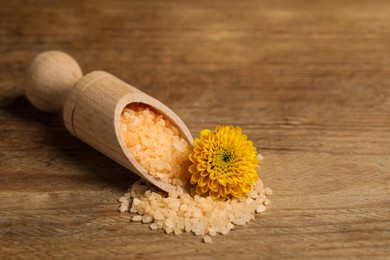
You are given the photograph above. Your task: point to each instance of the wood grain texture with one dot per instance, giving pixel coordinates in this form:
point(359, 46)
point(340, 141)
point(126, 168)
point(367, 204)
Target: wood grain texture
point(308, 81)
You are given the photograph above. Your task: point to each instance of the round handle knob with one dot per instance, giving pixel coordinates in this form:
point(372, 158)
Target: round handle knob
point(49, 79)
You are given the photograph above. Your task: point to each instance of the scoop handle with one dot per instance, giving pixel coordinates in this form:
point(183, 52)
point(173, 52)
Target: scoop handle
point(49, 79)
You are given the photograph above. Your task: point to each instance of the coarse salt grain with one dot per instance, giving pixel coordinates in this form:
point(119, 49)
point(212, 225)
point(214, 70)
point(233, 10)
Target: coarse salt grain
point(123, 208)
point(268, 191)
point(260, 157)
point(260, 209)
point(136, 218)
point(153, 226)
point(146, 219)
point(208, 239)
point(158, 215)
point(124, 204)
point(136, 201)
point(123, 199)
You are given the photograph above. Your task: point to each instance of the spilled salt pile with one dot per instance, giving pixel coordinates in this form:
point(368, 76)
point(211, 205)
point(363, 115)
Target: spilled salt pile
point(155, 143)
point(178, 212)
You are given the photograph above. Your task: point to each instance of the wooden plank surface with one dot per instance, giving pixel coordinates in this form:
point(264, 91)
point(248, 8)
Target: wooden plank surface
point(308, 81)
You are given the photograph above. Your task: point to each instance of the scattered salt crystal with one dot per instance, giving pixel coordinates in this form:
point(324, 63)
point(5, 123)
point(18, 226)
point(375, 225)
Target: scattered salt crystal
point(268, 191)
point(225, 231)
point(198, 232)
point(177, 231)
point(136, 201)
point(123, 208)
point(124, 204)
point(146, 219)
point(230, 226)
point(153, 226)
point(136, 218)
point(198, 229)
point(208, 239)
point(168, 230)
point(133, 209)
point(239, 222)
point(212, 231)
point(259, 200)
point(169, 223)
point(260, 157)
point(187, 227)
point(159, 223)
point(123, 199)
point(260, 209)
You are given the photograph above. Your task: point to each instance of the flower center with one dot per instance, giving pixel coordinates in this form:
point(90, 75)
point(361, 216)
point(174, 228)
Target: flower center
point(224, 158)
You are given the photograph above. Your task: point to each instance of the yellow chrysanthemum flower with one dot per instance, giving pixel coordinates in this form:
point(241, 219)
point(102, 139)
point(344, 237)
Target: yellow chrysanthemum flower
point(223, 163)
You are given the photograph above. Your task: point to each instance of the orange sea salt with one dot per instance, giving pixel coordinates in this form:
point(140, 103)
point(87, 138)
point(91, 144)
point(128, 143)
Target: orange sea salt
point(155, 143)
point(178, 212)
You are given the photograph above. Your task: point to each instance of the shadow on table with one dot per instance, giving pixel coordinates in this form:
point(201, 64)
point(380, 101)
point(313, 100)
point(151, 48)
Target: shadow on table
point(72, 149)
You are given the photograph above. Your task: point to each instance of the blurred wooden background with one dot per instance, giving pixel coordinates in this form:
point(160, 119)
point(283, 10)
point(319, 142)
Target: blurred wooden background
point(308, 81)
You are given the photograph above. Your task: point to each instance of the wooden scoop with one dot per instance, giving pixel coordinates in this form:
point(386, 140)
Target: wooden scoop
point(91, 106)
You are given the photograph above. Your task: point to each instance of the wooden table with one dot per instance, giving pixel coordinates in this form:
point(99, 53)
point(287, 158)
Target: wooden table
point(308, 81)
